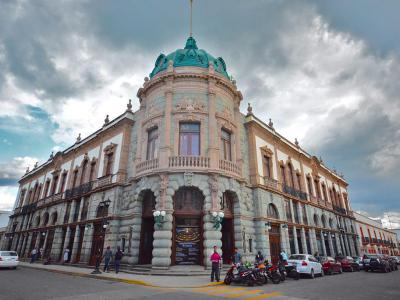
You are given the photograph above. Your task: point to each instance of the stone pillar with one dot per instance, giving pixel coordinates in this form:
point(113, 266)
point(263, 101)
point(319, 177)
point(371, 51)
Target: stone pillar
point(212, 237)
point(135, 239)
point(165, 137)
point(75, 245)
point(21, 244)
point(313, 241)
point(163, 242)
point(262, 237)
point(71, 212)
point(45, 242)
point(303, 240)
point(29, 240)
point(346, 245)
point(87, 243)
point(323, 243)
point(296, 245)
point(292, 210)
point(285, 244)
point(66, 239)
point(38, 237)
point(56, 247)
point(213, 149)
point(333, 254)
point(340, 244)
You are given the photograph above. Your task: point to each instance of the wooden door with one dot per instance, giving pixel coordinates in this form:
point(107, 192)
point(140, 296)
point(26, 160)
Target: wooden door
point(97, 243)
point(146, 241)
point(228, 243)
point(49, 243)
point(274, 243)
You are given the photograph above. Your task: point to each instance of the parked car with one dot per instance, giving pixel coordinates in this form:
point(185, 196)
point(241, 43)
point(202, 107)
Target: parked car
point(9, 259)
point(348, 263)
point(366, 260)
point(396, 258)
point(359, 260)
point(378, 263)
point(330, 265)
point(306, 264)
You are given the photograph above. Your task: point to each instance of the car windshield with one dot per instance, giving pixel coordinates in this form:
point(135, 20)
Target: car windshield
point(297, 257)
point(8, 253)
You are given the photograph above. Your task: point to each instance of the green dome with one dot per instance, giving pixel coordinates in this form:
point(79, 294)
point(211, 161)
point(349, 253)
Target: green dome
point(189, 56)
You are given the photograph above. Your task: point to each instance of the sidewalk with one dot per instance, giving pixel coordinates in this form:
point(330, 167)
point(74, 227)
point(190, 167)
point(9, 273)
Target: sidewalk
point(145, 280)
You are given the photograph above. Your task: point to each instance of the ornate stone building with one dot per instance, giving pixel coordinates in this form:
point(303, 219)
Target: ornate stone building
point(185, 172)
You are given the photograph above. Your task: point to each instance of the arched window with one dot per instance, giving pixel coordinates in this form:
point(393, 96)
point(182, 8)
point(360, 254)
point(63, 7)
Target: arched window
point(330, 223)
point(291, 175)
point(226, 144)
point(152, 143)
point(54, 217)
point(37, 221)
point(45, 219)
point(316, 220)
point(323, 220)
point(83, 174)
point(272, 212)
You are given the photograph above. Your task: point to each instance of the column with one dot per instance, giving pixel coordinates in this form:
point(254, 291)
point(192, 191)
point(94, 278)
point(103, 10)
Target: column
point(285, 244)
point(66, 239)
point(165, 147)
point(212, 125)
point(341, 248)
point(296, 245)
point(75, 245)
point(163, 242)
point(71, 212)
point(262, 238)
point(303, 240)
point(21, 244)
point(87, 243)
point(291, 209)
point(56, 248)
point(45, 243)
point(346, 244)
point(323, 243)
point(38, 237)
point(29, 240)
point(333, 254)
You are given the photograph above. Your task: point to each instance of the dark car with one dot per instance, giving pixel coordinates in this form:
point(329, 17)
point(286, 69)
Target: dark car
point(366, 259)
point(378, 263)
point(348, 263)
point(330, 265)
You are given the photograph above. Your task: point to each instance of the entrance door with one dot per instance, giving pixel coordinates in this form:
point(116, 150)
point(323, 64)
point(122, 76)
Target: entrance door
point(147, 229)
point(227, 240)
point(274, 243)
point(49, 243)
point(146, 241)
point(188, 234)
point(80, 242)
point(97, 243)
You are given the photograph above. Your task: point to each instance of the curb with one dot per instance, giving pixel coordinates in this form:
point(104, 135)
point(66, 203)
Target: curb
point(123, 280)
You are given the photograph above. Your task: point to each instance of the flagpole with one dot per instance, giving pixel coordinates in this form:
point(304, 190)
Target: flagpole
point(191, 8)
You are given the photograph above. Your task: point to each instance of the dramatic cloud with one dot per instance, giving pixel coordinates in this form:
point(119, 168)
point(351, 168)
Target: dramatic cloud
point(7, 197)
point(14, 169)
point(78, 61)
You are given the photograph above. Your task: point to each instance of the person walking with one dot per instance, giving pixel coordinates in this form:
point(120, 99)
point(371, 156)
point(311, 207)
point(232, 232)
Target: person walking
point(117, 259)
point(237, 257)
point(107, 258)
point(33, 255)
point(65, 256)
point(215, 264)
point(283, 256)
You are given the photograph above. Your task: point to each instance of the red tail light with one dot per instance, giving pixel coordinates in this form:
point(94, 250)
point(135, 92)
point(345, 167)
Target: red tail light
point(1, 258)
point(304, 263)
point(285, 263)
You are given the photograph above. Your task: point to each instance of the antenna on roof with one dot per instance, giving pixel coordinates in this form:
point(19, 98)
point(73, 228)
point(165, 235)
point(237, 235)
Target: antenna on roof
point(191, 17)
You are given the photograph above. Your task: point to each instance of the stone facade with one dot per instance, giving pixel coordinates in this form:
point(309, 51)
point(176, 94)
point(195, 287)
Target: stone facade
point(187, 138)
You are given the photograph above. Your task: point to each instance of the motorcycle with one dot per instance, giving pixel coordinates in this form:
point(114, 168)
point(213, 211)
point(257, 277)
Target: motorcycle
point(243, 275)
point(273, 273)
point(282, 270)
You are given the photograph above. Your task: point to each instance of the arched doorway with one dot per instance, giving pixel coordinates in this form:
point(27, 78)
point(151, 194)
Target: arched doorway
point(187, 247)
point(147, 229)
point(227, 229)
point(274, 234)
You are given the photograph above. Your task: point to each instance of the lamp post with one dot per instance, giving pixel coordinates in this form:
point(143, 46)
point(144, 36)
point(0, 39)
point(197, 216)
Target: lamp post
point(217, 218)
point(159, 217)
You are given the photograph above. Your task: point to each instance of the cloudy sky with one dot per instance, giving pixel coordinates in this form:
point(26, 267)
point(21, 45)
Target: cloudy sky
point(326, 72)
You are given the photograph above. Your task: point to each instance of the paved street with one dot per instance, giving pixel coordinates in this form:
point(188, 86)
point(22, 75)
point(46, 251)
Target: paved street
point(34, 284)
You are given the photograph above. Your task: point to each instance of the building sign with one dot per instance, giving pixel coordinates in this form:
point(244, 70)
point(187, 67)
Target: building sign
point(187, 245)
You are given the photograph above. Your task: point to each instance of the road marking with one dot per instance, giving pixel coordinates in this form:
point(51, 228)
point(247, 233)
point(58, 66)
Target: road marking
point(200, 290)
point(264, 296)
point(224, 290)
point(244, 293)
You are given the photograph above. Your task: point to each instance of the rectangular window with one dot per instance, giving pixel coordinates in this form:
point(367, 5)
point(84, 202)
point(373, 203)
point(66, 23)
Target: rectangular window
point(298, 177)
point(53, 189)
point(189, 139)
point(92, 171)
point(309, 185)
point(152, 144)
point(110, 160)
point(316, 184)
point(267, 166)
point(304, 212)
point(226, 145)
point(324, 192)
point(283, 175)
point(63, 181)
point(83, 175)
point(46, 189)
point(288, 211)
point(296, 213)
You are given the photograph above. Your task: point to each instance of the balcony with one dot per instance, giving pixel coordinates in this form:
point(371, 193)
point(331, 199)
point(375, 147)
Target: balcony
point(294, 192)
point(79, 190)
point(191, 162)
point(339, 210)
point(229, 166)
point(147, 165)
point(102, 181)
point(270, 182)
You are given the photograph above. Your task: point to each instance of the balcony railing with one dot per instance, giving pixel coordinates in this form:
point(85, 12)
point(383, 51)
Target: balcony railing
point(229, 166)
point(79, 190)
point(270, 182)
point(294, 192)
point(339, 210)
point(147, 165)
point(189, 162)
point(102, 181)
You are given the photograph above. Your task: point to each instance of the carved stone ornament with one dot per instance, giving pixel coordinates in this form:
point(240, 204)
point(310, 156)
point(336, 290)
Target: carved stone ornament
point(214, 184)
point(188, 178)
point(190, 105)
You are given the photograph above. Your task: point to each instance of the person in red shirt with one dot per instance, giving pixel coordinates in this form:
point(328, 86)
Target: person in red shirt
point(215, 262)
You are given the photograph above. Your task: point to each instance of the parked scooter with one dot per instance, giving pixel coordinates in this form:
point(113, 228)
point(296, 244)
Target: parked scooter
point(240, 274)
point(273, 273)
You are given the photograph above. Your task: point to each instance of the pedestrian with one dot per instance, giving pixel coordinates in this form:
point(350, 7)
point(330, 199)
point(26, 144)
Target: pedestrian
point(33, 255)
point(283, 256)
point(117, 259)
point(237, 257)
point(215, 264)
point(259, 258)
point(66, 256)
point(107, 258)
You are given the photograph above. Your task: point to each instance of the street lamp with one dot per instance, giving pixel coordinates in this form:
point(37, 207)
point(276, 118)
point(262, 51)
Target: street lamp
point(159, 217)
point(268, 225)
point(217, 218)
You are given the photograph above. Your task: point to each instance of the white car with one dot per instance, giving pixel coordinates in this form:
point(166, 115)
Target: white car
point(306, 264)
point(8, 259)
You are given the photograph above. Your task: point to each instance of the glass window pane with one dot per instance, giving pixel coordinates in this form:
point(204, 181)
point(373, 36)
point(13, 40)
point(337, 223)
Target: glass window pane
point(183, 144)
point(195, 144)
point(189, 127)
